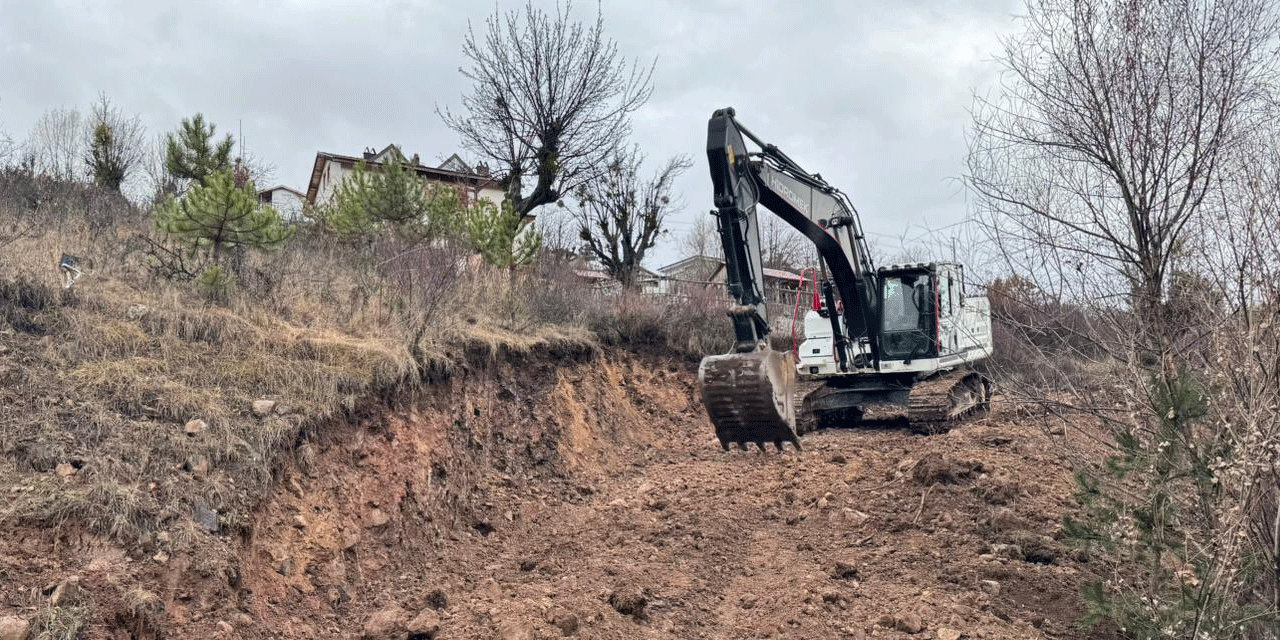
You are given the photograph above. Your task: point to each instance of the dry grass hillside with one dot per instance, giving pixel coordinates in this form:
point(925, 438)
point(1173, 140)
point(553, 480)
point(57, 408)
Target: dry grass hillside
point(137, 410)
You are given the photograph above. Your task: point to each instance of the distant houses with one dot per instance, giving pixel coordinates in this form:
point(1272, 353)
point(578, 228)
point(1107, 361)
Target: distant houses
point(330, 169)
point(701, 272)
point(687, 276)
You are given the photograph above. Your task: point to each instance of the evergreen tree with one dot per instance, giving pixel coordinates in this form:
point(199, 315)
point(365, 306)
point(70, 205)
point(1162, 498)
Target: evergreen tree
point(221, 215)
point(106, 172)
point(391, 195)
point(497, 233)
point(191, 155)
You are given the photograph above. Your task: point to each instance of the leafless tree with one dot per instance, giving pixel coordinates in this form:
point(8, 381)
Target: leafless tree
point(160, 183)
point(115, 144)
point(551, 100)
point(6, 148)
point(620, 214)
point(1126, 173)
point(1110, 132)
point(57, 144)
point(702, 239)
point(559, 229)
point(782, 247)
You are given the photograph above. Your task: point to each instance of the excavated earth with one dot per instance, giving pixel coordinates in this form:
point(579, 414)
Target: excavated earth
point(584, 495)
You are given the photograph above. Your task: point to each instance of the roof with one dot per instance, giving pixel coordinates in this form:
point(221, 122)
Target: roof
point(454, 163)
point(680, 264)
point(780, 274)
point(597, 274)
point(282, 187)
point(777, 274)
point(434, 173)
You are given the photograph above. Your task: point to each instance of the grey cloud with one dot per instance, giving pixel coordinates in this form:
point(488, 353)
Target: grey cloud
point(870, 94)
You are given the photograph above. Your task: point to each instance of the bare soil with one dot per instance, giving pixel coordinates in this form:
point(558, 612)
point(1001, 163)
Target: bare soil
point(579, 495)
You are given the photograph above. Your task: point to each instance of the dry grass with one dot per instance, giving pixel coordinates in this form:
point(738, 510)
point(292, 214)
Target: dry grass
point(98, 381)
point(58, 623)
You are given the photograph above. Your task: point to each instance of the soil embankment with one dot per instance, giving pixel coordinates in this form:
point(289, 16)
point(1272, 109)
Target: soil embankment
point(581, 494)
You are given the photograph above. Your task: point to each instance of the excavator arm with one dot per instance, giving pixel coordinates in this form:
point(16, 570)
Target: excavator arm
point(748, 392)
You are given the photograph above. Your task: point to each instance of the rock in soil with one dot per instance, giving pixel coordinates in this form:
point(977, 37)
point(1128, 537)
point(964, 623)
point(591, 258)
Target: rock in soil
point(844, 571)
point(425, 625)
point(566, 622)
point(13, 628)
point(933, 468)
point(195, 427)
point(263, 408)
point(377, 518)
point(384, 623)
point(909, 623)
point(629, 602)
point(1035, 548)
point(905, 622)
point(68, 593)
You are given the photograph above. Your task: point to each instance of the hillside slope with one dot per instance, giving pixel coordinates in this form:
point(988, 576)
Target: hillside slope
point(555, 490)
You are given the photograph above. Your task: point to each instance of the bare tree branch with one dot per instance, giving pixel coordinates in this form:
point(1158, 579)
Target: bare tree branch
point(57, 143)
point(550, 101)
point(620, 215)
point(1112, 126)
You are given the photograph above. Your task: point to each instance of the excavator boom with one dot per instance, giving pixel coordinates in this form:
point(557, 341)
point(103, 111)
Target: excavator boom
point(749, 392)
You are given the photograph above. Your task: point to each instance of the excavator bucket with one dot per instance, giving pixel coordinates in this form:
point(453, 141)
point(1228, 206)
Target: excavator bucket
point(750, 397)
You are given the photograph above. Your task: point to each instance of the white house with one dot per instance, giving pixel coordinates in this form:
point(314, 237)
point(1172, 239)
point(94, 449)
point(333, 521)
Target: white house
point(289, 202)
point(330, 169)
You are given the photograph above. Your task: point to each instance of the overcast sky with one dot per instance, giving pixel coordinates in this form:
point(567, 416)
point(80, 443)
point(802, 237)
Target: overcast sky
point(873, 95)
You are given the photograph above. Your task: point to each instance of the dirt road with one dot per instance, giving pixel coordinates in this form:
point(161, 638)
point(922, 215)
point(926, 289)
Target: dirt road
point(866, 533)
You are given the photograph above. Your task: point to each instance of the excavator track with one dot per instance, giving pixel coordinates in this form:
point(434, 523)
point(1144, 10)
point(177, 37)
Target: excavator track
point(749, 398)
point(806, 419)
point(935, 404)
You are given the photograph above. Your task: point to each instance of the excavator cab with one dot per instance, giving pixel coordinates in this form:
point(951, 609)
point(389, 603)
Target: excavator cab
point(908, 317)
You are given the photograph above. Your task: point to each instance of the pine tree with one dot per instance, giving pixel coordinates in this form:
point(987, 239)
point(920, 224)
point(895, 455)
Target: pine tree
point(221, 215)
point(497, 233)
point(191, 155)
point(391, 195)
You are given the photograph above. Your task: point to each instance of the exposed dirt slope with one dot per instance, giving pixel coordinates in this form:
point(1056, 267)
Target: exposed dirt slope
point(583, 495)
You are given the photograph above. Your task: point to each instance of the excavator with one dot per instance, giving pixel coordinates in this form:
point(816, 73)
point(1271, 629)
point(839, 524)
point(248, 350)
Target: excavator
point(906, 336)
